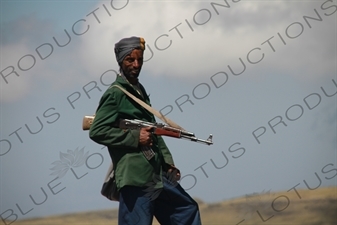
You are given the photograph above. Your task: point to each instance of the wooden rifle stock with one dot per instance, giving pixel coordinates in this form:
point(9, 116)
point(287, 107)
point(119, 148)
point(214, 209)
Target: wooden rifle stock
point(165, 132)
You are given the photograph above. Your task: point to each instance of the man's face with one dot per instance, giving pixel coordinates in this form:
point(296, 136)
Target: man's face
point(132, 63)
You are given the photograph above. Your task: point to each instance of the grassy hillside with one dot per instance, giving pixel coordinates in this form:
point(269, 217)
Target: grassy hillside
point(307, 207)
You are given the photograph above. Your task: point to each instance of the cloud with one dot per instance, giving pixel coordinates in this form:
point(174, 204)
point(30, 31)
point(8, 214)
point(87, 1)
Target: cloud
point(36, 54)
point(183, 40)
point(197, 39)
point(19, 39)
point(22, 83)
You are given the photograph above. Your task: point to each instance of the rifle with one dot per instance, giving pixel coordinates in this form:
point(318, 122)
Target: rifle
point(164, 130)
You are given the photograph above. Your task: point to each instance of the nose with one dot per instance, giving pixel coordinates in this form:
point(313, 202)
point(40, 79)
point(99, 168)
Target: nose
point(136, 63)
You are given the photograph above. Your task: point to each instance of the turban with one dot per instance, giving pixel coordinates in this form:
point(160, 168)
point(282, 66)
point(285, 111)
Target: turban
point(126, 46)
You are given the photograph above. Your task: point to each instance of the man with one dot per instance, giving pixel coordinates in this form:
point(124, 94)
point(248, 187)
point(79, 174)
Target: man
point(145, 183)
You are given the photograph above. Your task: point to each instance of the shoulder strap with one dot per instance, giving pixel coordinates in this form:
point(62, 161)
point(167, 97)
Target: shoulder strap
point(150, 109)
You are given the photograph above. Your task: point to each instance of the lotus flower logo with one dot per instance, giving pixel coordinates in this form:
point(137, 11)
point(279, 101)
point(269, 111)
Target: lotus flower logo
point(68, 161)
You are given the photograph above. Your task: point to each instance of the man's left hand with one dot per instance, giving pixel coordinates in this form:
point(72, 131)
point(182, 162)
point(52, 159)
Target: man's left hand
point(173, 173)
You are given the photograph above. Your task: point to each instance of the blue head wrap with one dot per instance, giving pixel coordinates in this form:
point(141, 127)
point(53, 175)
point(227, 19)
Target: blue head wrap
point(126, 46)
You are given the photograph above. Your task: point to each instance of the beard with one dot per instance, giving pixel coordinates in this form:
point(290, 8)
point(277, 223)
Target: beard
point(131, 73)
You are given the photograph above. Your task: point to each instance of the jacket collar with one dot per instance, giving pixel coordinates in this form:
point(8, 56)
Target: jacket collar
point(129, 87)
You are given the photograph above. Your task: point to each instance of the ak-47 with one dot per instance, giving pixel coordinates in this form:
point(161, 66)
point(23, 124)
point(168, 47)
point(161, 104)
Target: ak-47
point(164, 130)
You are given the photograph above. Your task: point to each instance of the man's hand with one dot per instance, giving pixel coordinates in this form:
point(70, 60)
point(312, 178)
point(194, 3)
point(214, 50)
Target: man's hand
point(173, 173)
point(145, 136)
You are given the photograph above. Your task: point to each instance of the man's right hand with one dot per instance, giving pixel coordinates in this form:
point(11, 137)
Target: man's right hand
point(145, 136)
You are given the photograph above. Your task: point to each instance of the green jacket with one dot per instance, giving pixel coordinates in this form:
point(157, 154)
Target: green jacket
point(131, 166)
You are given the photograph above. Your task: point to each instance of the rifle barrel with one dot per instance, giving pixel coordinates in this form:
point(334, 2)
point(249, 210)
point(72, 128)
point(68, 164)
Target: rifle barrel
point(195, 139)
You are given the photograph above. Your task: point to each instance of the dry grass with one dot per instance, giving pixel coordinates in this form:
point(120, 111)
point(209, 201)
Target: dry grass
point(307, 207)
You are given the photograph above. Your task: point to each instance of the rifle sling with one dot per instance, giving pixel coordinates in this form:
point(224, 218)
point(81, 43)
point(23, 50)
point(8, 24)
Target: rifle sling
point(150, 109)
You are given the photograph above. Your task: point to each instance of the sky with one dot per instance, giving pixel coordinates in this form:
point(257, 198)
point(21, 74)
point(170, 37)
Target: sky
point(260, 76)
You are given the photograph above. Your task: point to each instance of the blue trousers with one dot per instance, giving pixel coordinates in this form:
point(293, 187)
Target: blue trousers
point(171, 205)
